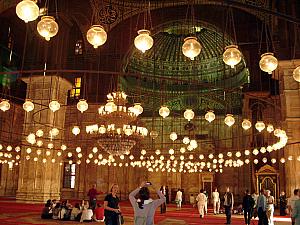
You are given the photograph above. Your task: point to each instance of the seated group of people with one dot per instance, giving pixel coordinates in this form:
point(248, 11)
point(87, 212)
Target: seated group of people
point(65, 211)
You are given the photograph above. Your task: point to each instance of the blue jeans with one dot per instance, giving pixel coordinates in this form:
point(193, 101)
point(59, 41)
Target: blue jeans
point(228, 214)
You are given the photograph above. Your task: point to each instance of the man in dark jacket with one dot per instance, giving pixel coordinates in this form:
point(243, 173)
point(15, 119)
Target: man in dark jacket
point(228, 204)
point(248, 204)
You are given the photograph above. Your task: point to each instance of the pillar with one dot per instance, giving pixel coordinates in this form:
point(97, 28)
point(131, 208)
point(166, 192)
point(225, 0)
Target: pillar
point(290, 106)
point(41, 180)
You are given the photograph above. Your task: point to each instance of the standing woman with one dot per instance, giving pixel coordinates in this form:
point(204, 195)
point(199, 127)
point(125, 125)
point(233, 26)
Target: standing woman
point(145, 207)
point(111, 206)
point(163, 207)
point(201, 199)
point(270, 207)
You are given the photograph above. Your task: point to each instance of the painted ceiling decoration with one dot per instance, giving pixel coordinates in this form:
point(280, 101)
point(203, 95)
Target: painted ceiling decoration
point(205, 79)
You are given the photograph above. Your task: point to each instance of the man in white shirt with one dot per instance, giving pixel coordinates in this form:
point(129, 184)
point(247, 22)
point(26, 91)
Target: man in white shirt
point(291, 203)
point(178, 199)
point(216, 201)
point(201, 199)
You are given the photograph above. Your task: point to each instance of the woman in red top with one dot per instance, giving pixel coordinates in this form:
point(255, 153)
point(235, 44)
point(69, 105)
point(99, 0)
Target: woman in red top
point(99, 213)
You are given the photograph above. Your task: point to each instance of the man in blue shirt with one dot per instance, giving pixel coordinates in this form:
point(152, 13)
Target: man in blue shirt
point(261, 208)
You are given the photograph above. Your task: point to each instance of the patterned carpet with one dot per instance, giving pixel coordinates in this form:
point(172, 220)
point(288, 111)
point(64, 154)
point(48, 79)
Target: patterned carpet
point(12, 213)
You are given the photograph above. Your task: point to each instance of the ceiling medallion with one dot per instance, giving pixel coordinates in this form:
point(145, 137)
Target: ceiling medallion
point(108, 14)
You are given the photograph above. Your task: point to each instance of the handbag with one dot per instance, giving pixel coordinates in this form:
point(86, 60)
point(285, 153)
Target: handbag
point(121, 219)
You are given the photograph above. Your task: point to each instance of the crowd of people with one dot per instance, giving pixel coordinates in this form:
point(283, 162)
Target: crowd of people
point(253, 205)
point(79, 212)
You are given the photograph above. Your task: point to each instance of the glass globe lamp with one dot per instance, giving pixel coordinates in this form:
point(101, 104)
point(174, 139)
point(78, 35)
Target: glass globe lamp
point(54, 132)
point(277, 132)
point(157, 152)
point(54, 106)
point(260, 126)
point(210, 116)
point(143, 41)
point(246, 124)
point(27, 10)
point(194, 143)
point(110, 106)
point(265, 160)
point(31, 138)
point(189, 114)
point(28, 105)
point(96, 36)
point(268, 63)
point(173, 136)
point(296, 74)
point(4, 105)
point(75, 130)
point(47, 27)
point(82, 105)
point(139, 109)
point(39, 143)
point(229, 120)
point(102, 129)
point(153, 134)
point(128, 131)
point(270, 128)
point(39, 133)
point(164, 111)
point(191, 48)
point(232, 55)
point(171, 151)
point(186, 140)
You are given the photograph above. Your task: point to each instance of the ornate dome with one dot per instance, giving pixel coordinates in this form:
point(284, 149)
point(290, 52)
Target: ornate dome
point(199, 82)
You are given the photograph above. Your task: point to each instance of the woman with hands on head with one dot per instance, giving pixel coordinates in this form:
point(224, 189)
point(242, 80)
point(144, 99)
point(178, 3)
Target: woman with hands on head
point(144, 206)
point(111, 206)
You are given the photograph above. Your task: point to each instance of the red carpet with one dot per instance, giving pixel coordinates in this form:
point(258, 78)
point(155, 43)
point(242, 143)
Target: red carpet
point(12, 212)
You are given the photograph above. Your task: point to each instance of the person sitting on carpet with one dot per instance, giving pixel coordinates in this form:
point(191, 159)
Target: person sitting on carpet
point(55, 211)
point(99, 213)
point(76, 212)
point(87, 213)
point(66, 209)
point(145, 207)
point(46, 214)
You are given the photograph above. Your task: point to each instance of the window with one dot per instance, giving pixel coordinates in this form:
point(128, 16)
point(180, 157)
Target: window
point(69, 175)
point(75, 92)
point(78, 47)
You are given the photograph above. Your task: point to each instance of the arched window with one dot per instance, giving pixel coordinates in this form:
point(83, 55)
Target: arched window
point(78, 47)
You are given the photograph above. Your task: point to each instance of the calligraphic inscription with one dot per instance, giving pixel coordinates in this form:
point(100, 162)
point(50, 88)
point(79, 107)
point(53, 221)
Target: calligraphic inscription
point(108, 14)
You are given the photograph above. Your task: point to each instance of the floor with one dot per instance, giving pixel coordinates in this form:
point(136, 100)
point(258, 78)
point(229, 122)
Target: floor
point(12, 213)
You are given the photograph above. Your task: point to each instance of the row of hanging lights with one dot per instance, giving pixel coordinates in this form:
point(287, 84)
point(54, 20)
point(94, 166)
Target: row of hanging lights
point(47, 27)
point(54, 105)
point(229, 120)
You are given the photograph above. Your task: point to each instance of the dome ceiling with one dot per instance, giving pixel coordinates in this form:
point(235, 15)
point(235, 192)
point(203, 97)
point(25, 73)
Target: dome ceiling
point(201, 82)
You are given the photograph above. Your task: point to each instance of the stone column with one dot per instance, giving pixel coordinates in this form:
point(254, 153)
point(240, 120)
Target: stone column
point(290, 106)
point(41, 180)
